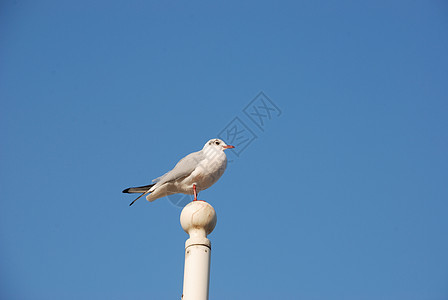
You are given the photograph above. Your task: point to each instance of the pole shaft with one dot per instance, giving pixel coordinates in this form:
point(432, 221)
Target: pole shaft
point(197, 272)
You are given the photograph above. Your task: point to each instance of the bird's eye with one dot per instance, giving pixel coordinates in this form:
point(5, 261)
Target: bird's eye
point(217, 143)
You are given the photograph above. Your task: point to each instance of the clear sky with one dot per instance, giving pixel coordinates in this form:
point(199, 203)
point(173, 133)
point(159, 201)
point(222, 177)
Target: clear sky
point(341, 193)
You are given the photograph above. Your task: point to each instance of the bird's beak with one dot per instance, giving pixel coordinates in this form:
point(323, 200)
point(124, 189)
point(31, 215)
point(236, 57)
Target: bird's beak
point(228, 147)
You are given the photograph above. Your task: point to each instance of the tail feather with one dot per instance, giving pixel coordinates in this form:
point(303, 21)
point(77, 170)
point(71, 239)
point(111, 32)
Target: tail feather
point(138, 189)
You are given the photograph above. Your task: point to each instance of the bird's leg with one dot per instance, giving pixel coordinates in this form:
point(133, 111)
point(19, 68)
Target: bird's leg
point(195, 193)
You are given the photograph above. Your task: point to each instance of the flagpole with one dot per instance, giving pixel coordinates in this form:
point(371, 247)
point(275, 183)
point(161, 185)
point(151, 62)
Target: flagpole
point(198, 219)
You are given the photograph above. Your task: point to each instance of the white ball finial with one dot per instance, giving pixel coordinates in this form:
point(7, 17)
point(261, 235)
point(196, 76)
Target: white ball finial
point(198, 219)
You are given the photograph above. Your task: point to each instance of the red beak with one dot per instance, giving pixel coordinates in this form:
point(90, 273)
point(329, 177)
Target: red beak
point(229, 147)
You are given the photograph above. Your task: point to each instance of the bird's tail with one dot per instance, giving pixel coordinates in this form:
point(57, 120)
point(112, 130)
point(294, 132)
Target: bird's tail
point(140, 189)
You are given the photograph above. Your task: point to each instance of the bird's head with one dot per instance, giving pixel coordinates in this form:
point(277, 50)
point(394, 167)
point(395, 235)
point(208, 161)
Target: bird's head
point(217, 144)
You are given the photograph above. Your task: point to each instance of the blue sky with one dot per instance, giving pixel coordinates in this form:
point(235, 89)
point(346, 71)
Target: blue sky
point(342, 193)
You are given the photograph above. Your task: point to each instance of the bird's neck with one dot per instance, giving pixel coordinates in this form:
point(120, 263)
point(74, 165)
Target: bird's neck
point(213, 153)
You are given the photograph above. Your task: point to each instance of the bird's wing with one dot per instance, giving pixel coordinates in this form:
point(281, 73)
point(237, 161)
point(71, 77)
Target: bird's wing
point(183, 168)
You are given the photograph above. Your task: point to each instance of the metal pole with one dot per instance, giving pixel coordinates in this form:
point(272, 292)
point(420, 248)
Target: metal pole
point(198, 219)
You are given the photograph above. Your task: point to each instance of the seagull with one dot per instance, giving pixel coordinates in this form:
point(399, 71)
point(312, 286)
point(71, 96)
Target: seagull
point(194, 173)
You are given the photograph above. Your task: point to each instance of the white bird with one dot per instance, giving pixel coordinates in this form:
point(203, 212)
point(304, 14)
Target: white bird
point(193, 173)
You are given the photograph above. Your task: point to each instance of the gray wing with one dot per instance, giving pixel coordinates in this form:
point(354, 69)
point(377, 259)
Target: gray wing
point(183, 168)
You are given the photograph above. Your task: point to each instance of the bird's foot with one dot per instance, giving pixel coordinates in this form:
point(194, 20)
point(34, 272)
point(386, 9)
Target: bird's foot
point(195, 193)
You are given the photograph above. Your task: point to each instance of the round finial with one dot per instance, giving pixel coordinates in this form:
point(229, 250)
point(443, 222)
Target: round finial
point(198, 218)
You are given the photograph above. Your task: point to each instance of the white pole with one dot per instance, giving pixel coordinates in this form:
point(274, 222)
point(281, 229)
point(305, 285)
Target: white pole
point(198, 219)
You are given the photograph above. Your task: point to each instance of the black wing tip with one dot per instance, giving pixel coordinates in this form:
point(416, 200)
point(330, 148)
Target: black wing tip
point(135, 200)
point(126, 190)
